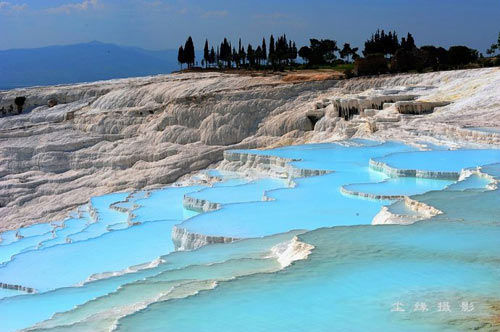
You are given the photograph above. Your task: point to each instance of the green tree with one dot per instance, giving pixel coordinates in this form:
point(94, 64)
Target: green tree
point(180, 56)
point(272, 55)
point(264, 50)
point(236, 58)
point(281, 50)
point(382, 43)
point(494, 47)
point(19, 101)
point(319, 51)
point(461, 55)
point(354, 53)
point(305, 53)
point(206, 54)
point(225, 53)
point(292, 52)
point(492, 50)
point(212, 56)
point(346, 51)
point(258, 55)
point(373, 64)
point(408, 43)
point(435, 57)
point(241, 53)
point(251, 56)
point(189, 56)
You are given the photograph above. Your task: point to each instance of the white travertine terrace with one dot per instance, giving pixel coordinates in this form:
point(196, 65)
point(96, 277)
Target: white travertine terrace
point(424, 211)
point(291, 251)
point(146, 132)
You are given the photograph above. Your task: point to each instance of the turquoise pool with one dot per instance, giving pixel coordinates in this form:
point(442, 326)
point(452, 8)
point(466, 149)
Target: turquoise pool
point(112, 264)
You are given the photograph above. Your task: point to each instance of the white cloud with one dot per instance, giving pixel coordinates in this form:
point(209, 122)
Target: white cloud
point(156, 3)
point(74, 7)
point(10, 7)
point(19, 7)
point(215, 13)
point(272, 16)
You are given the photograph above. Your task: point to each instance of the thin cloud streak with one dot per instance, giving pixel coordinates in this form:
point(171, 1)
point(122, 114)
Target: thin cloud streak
point(215, 14)
point(74, 7)
point(7, 6)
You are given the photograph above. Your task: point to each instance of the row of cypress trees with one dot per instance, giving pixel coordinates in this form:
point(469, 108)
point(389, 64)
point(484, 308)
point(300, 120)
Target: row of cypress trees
point(384, 50)
point(186, 54)
point(281, 52)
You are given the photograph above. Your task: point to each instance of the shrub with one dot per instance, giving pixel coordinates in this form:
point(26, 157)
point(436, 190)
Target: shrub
point(461, 55)
point(19, 101)
point(349, 73)
point(407, 60)
point(373, 64)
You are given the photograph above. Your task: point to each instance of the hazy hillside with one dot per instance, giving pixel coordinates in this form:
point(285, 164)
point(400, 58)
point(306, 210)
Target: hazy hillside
point(80, 63)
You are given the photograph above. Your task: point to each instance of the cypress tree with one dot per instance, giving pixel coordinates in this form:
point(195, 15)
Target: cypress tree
point(189, 52)
point(206, 53)
point(251, 56)
point(272, 56)
point(410, 42)
point(242, 55)
point(226, 52)
point(222, 54)
point(212, 56)
point(294, 52)
point(235, 57)
point(217, 56)
point(280, 52)
point(264, 50)
point(180, 56)
point(258, 55)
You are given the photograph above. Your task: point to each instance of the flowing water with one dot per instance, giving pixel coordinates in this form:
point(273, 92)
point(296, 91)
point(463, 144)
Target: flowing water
point(113, 264)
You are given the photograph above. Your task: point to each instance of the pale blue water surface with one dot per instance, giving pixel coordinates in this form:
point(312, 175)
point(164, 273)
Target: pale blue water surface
point(113, 264)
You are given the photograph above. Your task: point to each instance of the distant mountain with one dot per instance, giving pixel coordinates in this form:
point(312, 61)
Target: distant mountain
point(80, 63)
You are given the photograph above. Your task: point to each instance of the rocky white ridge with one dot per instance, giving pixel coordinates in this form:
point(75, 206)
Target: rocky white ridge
point(252, 166)
point(424, 211)
point(288, 252)
point(146, 132)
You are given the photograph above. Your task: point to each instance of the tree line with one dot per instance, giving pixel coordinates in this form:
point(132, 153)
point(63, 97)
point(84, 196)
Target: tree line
point(282, 52)
point(494, 47)
point(383, 52)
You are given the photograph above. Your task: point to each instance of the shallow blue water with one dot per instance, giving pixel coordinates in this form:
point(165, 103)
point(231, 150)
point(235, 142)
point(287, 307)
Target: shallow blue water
point(400, 186)
point(472, 182)
point(9, 292)
point(163, 204)
point(326, 205)
point(350, 281)
point(445, 161)
point(238, 192)
point(42, 306)
point(107, 217)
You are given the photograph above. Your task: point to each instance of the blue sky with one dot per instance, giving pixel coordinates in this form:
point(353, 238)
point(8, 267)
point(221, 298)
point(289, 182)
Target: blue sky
point(163, 24)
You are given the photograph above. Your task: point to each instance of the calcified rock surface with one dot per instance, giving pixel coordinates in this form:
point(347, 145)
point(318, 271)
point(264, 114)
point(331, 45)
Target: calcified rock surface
point(397, 172)
point(185, 240)
point(269, 165)
point(422, 211)
point(144, 132)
